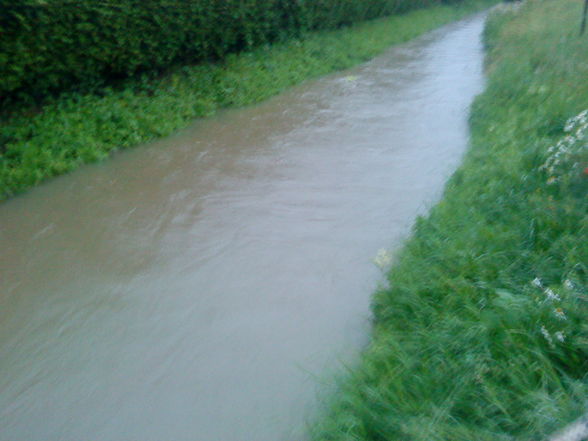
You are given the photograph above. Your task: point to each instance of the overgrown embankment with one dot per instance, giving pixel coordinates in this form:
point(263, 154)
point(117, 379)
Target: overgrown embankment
point(483, 332)
point(107, 112)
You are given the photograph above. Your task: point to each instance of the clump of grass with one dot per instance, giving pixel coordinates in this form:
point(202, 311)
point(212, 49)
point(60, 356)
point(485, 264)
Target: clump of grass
point(482, 334)
point(77, 129)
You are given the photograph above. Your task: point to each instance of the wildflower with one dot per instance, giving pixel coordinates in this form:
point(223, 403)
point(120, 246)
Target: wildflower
point(568, 140)
point(551, 295)
point(560, 336)
point(383, 259)
point(560, 314)
point(569, 284)
point(562, 156)
point(547, 336)
point(579, 119)
point(507, 8)
point(537, 282)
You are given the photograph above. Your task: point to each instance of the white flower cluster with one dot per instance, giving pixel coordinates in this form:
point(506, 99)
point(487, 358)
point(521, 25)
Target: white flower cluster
point(563, 156)
point(578, 122)
point(383, 259)
point(552, 297)
point(560, 336)
point(506, 8)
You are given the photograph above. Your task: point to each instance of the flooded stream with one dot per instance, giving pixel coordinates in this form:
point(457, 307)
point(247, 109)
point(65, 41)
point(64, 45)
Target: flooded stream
point(206, 286)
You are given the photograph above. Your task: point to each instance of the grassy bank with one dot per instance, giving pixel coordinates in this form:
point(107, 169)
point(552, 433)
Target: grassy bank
point(483, 332)
point(78, 129)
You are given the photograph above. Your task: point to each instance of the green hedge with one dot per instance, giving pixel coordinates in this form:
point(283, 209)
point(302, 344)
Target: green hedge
point(49, 46)
point(79, 128)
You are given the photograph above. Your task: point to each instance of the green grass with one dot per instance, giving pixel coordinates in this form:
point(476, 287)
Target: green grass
point(465, 346)
point(77, 129)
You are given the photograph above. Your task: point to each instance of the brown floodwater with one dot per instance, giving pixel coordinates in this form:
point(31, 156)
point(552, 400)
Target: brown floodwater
point(206, 287)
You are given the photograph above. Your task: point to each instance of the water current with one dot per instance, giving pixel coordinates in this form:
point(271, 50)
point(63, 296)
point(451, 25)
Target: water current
point(206, 287)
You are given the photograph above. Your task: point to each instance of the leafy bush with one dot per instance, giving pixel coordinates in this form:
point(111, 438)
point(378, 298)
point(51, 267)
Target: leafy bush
point(47, 46)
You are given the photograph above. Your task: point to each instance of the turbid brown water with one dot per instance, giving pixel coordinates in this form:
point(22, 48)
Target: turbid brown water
point(204, 287)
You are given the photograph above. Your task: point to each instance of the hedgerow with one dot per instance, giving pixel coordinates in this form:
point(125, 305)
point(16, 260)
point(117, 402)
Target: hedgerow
point(49, 46)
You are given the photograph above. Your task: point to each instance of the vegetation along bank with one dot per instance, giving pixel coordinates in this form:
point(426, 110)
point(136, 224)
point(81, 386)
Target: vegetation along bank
point(482, 332)
point(97, 77)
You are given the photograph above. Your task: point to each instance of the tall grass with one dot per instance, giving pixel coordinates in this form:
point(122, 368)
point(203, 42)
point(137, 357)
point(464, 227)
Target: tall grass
point(76, 129)
point(483, 332)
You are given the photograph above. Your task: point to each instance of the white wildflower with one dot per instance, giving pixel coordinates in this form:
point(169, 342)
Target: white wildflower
point(560, 314)
point(537, 282)
point(580, 119)
point(507, 8)
point(383, 259)
point(569, 284)
point(551, 295)
point(546, 335)
point(560, 336)
point(561, 156)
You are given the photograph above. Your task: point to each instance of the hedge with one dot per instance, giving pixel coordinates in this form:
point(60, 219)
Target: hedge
point(50, 46)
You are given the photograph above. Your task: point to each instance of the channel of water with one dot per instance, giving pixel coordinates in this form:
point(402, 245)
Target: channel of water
point(207, 286)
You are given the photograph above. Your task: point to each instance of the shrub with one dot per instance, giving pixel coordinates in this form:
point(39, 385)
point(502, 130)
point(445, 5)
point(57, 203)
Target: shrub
point(49, 46)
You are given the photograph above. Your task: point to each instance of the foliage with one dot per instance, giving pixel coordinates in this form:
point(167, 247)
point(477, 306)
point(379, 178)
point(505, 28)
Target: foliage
point(77, 128)
point(482, 334)
point(49, 46)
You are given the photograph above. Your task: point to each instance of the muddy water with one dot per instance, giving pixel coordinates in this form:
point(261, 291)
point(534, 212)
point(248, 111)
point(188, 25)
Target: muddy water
point(205, 287)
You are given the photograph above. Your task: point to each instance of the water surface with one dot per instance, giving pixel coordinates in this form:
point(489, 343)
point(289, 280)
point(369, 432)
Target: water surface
point(203, 287)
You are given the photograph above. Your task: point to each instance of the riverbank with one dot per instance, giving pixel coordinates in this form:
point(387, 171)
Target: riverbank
point(75, 130)
point(482, 333)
